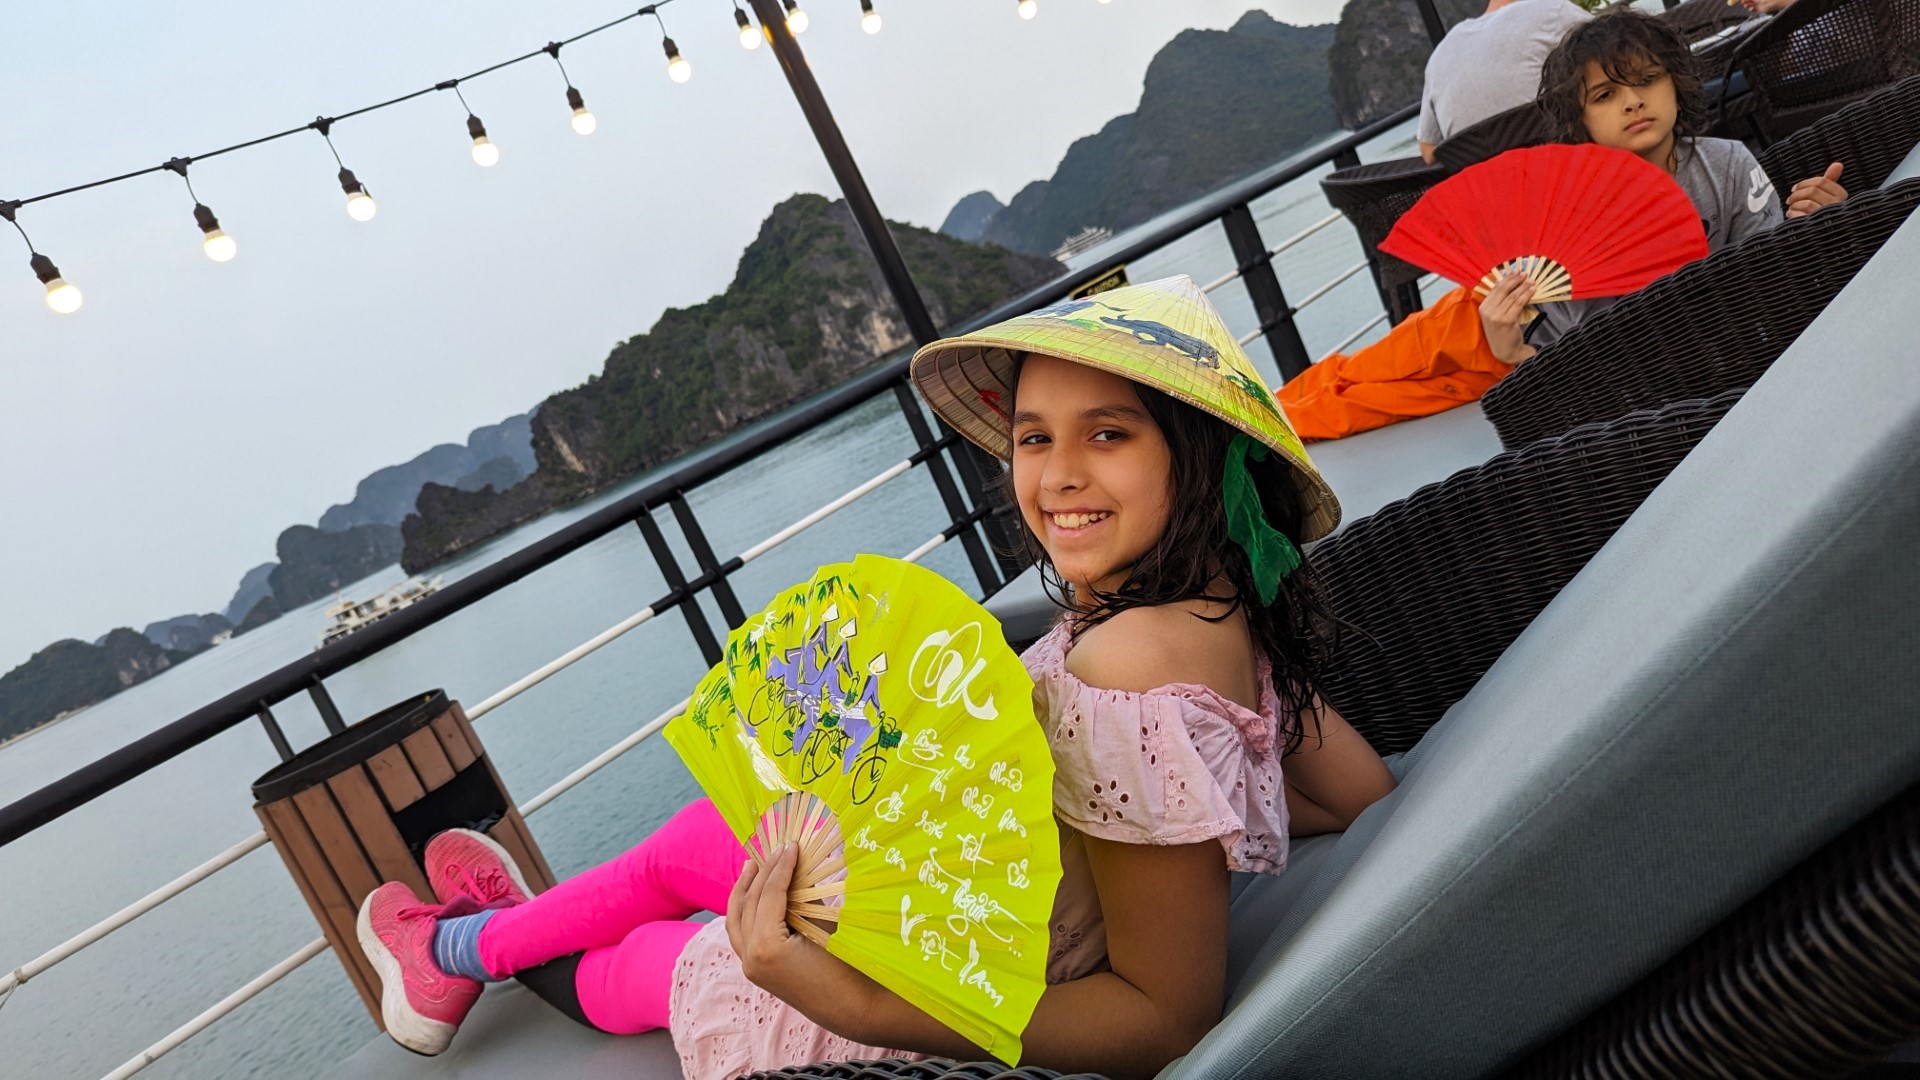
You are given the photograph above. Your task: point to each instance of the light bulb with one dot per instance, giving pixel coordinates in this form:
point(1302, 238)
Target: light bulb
point(61, 296)
point(870, 20)
point(797, 21)
point(217, 244)
point(1106, 1)
point(485, 154)
point(749, 37)
point(677, 67)
point(583, 121)
point(361, 207)
point(1029, 8)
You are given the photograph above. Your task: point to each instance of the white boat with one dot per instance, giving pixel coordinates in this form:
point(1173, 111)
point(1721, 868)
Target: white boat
point(1083, 241)
point(351, 615)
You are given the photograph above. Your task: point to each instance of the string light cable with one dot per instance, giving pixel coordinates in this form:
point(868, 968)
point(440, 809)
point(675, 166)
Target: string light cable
point(63, 297)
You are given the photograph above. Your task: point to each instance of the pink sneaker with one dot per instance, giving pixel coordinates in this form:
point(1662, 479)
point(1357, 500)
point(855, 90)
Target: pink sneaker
point(421, 1005)
point(462, 862)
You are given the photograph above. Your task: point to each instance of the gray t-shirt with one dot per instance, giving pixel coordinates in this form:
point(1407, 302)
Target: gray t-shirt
point(1490, 64)
point(1735, 200)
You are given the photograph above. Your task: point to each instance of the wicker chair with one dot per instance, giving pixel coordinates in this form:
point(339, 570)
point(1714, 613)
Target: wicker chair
point(1713, 326)
point(1373, 197)
point(1870, 137)
point(1818, 55)
point(1819, 975)
point(1430, 590)
point(1697, 19)
point(1518, 127)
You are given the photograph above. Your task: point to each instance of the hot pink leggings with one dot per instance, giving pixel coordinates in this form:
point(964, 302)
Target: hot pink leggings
point(629, 916)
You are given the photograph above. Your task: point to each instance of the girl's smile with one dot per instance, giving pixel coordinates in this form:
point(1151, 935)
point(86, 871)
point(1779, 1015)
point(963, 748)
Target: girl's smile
point(1090, 468)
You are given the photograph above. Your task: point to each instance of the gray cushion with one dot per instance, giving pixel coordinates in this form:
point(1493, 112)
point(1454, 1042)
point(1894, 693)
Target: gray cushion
point(1908, 168)
point(1727, 685)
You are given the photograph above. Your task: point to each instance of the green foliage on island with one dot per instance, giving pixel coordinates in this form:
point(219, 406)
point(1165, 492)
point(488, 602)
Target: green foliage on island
point(70, 675)
point(315, 563)
point(806, 310)
point(1216, 105)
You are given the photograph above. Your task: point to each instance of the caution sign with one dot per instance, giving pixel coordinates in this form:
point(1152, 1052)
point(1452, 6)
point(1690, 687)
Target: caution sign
point(1112, 279)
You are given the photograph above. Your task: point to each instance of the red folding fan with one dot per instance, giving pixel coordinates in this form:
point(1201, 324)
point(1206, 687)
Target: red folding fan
point(1582, 221)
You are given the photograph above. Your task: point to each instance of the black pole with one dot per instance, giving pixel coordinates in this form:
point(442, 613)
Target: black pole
point(1429, 14)
point(847, 174)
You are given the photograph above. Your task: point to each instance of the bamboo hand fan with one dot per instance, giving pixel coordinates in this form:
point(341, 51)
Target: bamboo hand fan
point(1581, 221)
point(876, 716)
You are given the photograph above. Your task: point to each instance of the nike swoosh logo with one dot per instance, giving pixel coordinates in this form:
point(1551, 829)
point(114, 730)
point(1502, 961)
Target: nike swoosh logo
point(1759, 192)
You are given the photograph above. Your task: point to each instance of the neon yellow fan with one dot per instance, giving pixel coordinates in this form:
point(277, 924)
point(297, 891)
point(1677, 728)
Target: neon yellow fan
point(876, 716)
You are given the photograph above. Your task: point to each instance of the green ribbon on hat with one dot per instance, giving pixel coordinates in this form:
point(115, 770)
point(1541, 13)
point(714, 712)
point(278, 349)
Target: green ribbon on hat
point(1271, 555)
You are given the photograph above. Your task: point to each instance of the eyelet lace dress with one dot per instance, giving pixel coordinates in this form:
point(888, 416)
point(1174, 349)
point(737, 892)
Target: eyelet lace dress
point(1176, 765)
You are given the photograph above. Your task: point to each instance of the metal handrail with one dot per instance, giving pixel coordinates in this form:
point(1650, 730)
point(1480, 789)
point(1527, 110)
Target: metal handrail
point(1238, 272)
point(259, 983)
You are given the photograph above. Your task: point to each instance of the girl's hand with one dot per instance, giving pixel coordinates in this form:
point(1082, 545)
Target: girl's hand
point(772, 956)
point(1810, 195)
point(1504, 317)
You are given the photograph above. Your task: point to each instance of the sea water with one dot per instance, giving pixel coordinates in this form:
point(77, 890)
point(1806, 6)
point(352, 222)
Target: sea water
point(89, 1014)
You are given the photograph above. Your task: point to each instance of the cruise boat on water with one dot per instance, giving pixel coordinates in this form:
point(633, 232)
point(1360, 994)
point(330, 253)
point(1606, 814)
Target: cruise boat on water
point(350, 616)
point(1083, 241)
point(1636, 633)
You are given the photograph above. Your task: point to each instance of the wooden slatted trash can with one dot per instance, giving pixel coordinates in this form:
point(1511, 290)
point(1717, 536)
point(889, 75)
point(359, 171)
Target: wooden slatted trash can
point(357, 809)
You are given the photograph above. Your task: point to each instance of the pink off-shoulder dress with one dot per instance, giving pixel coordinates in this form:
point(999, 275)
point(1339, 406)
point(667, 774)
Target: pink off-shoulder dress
point(1175, 765)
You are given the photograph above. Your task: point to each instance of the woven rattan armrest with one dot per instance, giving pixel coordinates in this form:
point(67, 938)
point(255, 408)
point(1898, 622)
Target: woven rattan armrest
point(1819, 975)
point(1869, 137)
point(1373, 197)
point(1712, 326)
point(1430, 590)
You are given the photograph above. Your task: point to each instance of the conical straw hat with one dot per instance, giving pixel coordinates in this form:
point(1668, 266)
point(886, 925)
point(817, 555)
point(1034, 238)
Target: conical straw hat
point(1165, 334)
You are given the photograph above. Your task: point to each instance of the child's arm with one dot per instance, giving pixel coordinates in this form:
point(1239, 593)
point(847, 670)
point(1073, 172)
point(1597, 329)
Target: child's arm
point(1332, 777)
point(1166, 920)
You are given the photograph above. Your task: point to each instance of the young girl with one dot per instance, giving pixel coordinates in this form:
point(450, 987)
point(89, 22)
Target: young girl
point(1164, 496)
point(1623, 80)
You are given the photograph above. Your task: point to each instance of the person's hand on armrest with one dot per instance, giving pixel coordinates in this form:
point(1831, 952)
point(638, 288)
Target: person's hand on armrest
point(1810, 195)
point(1504, 316)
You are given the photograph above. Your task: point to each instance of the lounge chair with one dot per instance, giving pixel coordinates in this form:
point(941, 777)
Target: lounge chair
point(1373, 197)
point(1818, 55)
point(1522, 126)
point(1709, 327)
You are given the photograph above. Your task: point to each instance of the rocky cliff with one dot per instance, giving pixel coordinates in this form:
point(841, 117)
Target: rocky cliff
point(69, 675)
point(254, 584)
point(1378, 61)
point(969, 217)
point(187, 633)
point(1216, 105)
point(806, 309)
point(314, 563)
point(386, 496)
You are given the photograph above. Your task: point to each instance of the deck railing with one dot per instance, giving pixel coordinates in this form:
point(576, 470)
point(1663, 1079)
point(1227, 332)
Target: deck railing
point(1230, 206)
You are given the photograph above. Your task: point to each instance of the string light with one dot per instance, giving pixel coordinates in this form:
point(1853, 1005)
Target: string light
point(749, 37)
point(1029, 8)
point(217, 244)
point(61, 296)
point(485, 153)
point(869, 18)
point(583, 122)
point(797, 21)
point(360, 204)
point(677, 67)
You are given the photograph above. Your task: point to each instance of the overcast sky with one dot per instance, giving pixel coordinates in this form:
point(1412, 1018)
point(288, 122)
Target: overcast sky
point(153, 445)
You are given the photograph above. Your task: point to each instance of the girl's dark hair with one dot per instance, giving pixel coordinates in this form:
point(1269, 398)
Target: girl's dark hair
point(1626, 44)
point(1295, 632)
